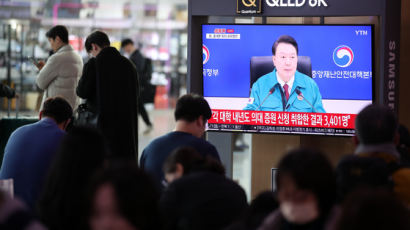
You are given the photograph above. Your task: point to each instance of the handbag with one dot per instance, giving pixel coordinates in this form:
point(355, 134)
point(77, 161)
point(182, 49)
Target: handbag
point(85, 117)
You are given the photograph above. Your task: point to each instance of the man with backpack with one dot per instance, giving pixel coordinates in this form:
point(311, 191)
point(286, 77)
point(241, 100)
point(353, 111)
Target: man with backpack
point(142, 65)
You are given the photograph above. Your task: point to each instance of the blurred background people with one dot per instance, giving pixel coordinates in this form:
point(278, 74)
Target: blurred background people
point(144, 77)
point(306, 192)
point(258, 210)
point(59, 76)
point(123, 197)
point(81, 154)
point(199, 195)
point(375, 209)
point(14, 215)
point(377, 137)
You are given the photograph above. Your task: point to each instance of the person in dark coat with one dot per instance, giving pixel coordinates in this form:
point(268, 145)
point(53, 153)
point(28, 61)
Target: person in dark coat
point(109, 83)
point(140, 62)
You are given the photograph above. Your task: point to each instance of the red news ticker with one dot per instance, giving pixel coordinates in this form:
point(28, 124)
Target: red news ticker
point(319, 120)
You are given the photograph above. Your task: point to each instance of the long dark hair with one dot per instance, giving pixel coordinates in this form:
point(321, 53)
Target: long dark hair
point(81, 153)
point(134, 191)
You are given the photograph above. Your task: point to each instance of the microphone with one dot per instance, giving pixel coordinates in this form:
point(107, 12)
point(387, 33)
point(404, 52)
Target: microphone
point(301, 95)
point(270, 92)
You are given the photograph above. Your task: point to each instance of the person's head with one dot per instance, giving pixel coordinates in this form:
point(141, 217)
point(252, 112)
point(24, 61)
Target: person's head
point(306, 186)
point(59, 110)
point(376, 124)
point(285, 57)
point(373, 209)
point(260, 207)
point(186, 160)
point(127, 45)
point(95, 42)
point(81, 153)
point(57, 37)
point(123, 197)
point(84, 149)
point(180, 162)
point(193, 110)
point(354, 172)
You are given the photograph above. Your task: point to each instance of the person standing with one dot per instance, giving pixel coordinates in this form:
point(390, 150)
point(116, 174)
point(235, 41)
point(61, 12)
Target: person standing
point(140, 62)
point(59, 76)
point(109, 83)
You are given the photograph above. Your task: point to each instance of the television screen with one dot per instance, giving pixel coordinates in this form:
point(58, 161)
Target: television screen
point(318, 80)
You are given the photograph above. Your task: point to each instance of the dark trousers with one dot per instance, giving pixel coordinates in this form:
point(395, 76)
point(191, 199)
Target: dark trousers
point(143, 112)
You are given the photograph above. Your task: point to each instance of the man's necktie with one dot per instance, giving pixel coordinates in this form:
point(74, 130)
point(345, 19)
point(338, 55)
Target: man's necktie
point(286, 87)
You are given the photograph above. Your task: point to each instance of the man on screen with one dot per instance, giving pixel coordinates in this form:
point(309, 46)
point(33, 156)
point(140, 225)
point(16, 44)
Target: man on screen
point(285, 89)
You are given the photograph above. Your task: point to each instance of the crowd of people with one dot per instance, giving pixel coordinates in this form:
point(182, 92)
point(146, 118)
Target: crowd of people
point(71, 174)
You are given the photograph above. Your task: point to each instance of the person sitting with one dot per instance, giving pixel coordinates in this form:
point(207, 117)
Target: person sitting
point(191, 114)
point(306, 192)
point(122, 197)
point(375, 209)
point(259, 209)
point(284, 87)
point(199, 195)
point(30, 149)
point(14, 215)
point(354, 172)
point(377, 137)
point(81, 154)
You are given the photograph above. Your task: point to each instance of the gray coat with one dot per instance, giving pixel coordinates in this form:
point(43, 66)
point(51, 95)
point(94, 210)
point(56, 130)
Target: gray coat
point(60, 75)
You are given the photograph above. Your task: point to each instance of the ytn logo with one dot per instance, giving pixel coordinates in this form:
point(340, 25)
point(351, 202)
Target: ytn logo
point(205, 54)
point(361, 32)
point(343, 56)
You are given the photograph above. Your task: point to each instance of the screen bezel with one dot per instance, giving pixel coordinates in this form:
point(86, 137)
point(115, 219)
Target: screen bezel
point(373, 87)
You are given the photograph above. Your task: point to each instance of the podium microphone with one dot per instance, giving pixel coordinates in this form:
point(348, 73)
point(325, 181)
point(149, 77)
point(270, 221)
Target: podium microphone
point(301, 95)
point(270, 92)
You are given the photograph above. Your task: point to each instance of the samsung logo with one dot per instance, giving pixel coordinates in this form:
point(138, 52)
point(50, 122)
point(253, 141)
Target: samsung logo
point(391, 85)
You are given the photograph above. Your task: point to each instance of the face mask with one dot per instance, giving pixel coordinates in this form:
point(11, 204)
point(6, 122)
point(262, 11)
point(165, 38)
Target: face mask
point(299, 213)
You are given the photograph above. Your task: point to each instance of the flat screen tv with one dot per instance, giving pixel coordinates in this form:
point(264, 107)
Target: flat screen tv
point(244, 83)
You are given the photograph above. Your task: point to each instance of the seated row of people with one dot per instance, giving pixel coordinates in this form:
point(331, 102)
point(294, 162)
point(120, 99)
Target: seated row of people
point(184, 184)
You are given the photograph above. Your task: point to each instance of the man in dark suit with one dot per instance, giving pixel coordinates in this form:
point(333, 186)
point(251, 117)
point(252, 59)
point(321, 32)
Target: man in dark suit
point(127, 45)
point(109, 83)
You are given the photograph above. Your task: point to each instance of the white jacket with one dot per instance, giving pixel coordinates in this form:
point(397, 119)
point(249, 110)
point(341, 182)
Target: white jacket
point(60, 75)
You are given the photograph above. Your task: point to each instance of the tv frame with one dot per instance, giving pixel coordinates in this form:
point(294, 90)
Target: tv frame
point(374, 76)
